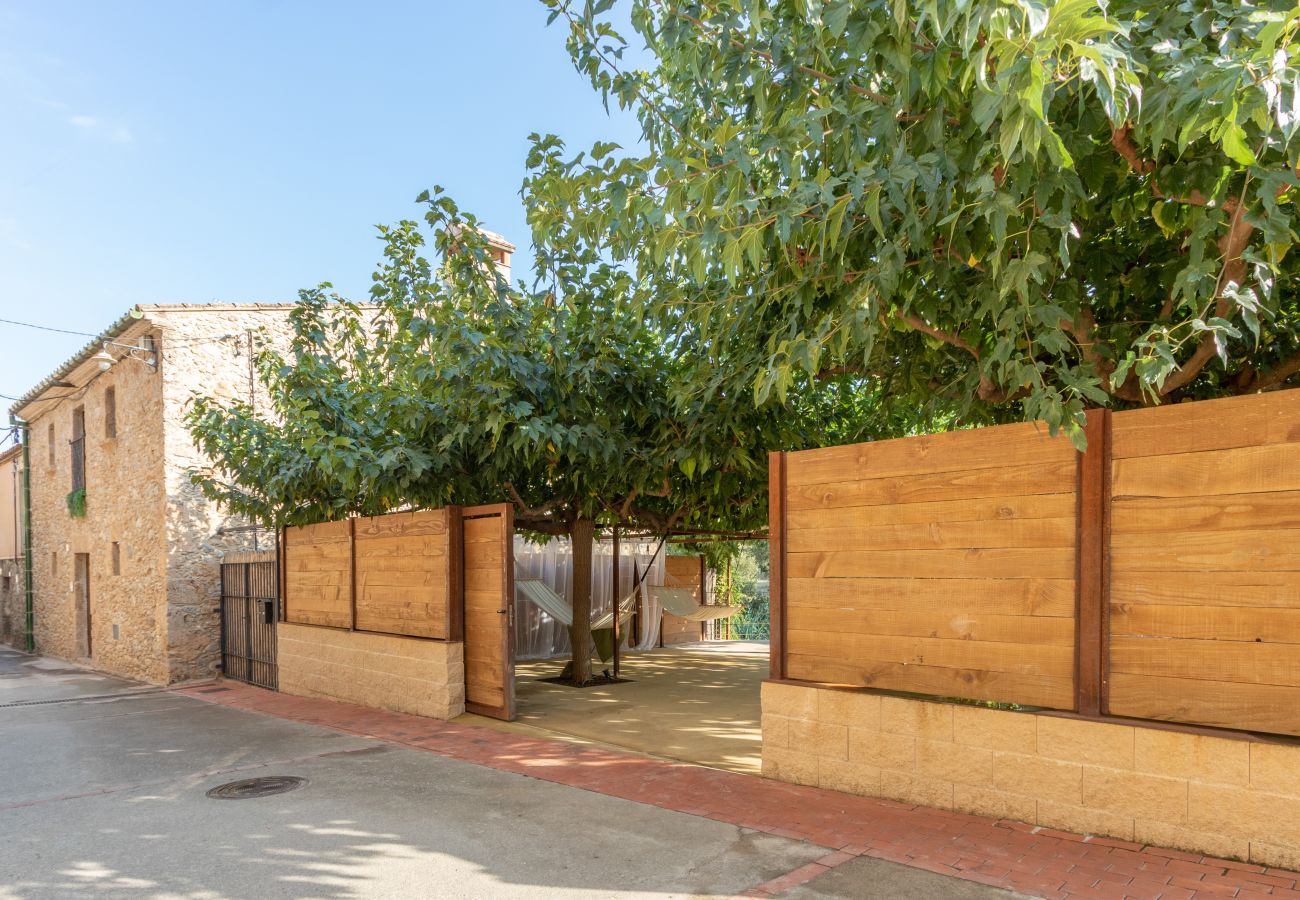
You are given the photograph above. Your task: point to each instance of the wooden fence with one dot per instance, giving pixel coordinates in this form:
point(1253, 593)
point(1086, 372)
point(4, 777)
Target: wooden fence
point(1157, 576)
point(391, 574)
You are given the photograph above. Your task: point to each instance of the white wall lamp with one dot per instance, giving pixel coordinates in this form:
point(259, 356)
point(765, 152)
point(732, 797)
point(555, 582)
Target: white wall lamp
point(105, 359)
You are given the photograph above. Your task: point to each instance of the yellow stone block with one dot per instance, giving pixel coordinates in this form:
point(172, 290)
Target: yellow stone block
point(1266, 854)
point(928, 721)
point(953, 762)
point(850, 777)
point(882, 749)
point(1252, 815)
point(1044, 779)
point(1178, 837)
point(1091, 743)
point(1275, 768)
point(995, 729)
point(1085, 821)
point(1135, 794)
point(790, 766)
point(819, 739)
point(848, 708)
point(776, 731)
point(789, 700)
point(908, 787)
point(1194, 757)
point(983, 801)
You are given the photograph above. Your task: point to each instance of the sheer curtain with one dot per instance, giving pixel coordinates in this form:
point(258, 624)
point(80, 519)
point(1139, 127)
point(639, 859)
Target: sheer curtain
point(538, 636)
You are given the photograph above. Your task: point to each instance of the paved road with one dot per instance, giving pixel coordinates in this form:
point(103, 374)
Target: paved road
point(103, 793)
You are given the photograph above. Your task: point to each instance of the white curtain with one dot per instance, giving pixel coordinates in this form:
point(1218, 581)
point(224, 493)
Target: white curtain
point(538, 636)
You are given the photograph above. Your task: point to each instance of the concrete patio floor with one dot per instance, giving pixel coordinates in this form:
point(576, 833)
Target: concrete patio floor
point(694, 702)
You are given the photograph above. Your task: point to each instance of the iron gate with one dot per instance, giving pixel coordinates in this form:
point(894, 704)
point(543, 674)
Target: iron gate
point(248, 614)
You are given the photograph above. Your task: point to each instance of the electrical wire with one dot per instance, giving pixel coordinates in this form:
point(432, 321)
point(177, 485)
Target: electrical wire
point(46, 328)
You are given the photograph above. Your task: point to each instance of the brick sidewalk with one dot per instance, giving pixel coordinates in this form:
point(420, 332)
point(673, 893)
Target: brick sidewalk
point(1000, 853)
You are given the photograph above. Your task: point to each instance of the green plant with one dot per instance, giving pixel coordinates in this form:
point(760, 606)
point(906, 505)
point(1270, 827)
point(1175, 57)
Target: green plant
point(77, 503)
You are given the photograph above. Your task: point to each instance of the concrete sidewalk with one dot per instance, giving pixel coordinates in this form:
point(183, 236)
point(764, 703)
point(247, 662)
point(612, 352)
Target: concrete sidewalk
point(105, 796)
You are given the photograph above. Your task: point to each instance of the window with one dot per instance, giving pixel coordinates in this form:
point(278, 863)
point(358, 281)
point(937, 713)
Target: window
point(51, 440)
point(54, 562)
point(78, 448)
point(117, 558)
point(110, 412)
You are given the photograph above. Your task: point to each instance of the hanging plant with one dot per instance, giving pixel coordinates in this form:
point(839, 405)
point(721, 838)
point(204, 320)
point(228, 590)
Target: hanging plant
point(77, 503)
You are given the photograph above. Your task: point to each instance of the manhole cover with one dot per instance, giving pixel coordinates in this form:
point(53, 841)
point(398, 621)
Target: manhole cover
point(252, 788)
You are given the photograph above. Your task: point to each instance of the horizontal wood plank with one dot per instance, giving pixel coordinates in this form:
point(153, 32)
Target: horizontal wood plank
point(954, 623)
point(982, 509)
point(1055, 692)
point(938, 535)
point(1222, 512)
point(1276, 550)
point(993, 656)
point(1009, 481)
point(974, 563)
point(1248, 589)
point(1242, 663)
point(1207, 425)
point(952, 451)
point(1210, 623)
point(1241, 470)
point(1272, 709)
point(1007, 596)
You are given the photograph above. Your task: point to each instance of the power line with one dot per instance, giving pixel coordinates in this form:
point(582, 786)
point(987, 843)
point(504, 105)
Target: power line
point(46, 328)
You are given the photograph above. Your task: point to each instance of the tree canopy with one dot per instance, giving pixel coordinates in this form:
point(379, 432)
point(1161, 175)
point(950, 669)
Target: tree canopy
point(1003, 207)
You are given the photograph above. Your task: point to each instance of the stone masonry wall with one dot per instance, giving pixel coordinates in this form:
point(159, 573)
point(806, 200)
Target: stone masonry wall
point(12, 604)
point(1222, 796)
point(125, 501)
point(422, 677)
point(205, 351)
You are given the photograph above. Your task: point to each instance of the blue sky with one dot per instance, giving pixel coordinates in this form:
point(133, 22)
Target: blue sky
point(239, 151)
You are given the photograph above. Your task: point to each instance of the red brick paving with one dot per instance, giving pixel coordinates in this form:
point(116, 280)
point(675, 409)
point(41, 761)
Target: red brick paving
point(1000, 853)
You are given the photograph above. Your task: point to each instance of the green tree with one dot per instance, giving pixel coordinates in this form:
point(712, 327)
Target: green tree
point(451, 386)
point(1005, 207)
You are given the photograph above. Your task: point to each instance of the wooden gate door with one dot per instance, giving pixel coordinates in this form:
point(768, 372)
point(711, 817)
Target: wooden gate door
point(248, 615)
point(489, 539)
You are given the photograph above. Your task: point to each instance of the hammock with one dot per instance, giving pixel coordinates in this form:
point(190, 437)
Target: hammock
point(539, 593)
point(681, 603)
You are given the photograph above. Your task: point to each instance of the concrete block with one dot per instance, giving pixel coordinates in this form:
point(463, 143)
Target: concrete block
point(1194, 757)
point(1044, 779)
point(947, 761)
point(1180, 837)
point(995, 729)
point(790, 766)
point(1135, 794)
point(882, 749)
point(1265, 853)
point(850, 777)
point(984, 801)
point(1069, 817)
point(1092, 743)
point(907, 787)
point(848, 708)
point(1252, 815)
point(1275, 768)
point(789, 700)
point(776, 731)
point(927, 721)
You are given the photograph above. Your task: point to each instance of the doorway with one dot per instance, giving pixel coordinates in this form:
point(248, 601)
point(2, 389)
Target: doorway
point(81, 594)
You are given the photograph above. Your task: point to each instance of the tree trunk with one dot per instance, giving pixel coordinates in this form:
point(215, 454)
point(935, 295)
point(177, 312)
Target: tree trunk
point(582, 534)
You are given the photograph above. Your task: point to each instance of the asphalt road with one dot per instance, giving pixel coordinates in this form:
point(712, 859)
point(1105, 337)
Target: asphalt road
point(103, 793)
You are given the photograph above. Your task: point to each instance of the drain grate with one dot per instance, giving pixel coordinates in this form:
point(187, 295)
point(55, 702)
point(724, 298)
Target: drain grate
point(252, 788)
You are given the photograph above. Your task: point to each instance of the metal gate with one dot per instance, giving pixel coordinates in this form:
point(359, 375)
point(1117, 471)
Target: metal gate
point(248, 614)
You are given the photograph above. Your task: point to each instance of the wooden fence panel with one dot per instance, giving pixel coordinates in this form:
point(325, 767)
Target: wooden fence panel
point(318, 574)
point(943, 564)
point(402, 573)
point(684, 571)
point(1205, 563)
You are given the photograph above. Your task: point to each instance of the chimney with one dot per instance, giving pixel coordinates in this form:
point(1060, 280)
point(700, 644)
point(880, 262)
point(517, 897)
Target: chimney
point(501, 250)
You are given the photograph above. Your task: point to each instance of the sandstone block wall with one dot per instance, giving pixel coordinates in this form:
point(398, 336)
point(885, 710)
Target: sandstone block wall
point(1226, 797)
point(410, 675)
point(12, 604)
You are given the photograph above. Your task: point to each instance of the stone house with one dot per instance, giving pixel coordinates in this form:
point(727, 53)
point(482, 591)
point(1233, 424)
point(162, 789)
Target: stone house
point(12, 593)
point(125, 550)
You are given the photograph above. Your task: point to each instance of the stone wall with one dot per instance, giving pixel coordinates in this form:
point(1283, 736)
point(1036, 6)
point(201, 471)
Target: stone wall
point(205, 350)
point(125, 504)
point(1223, 796)
point(410, 675)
